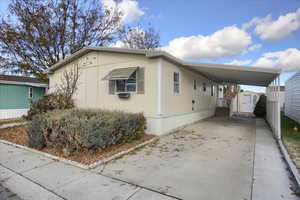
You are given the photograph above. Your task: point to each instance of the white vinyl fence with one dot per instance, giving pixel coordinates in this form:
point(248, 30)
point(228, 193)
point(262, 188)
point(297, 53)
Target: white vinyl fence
point(273, 107)
point(292, 98)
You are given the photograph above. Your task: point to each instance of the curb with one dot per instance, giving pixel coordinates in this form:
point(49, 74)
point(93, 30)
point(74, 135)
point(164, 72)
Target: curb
point(12, 125)
point(77, 164)
point(290, 164)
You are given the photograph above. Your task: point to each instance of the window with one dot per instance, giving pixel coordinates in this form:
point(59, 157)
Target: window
point(176, 82)
point(128, 85)
point(30, 93)
point(212, 90)
point(204, 87)
point(195, 84)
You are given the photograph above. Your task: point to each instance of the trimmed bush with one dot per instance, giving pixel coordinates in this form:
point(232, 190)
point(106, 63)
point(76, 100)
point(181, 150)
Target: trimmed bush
point(78, 129)
point(49, 102)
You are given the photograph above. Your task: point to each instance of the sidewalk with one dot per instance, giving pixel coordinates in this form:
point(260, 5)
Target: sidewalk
point(33, 177)
point(271, 178)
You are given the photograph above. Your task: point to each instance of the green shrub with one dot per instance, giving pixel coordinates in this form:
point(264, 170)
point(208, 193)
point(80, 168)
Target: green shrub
point(34, 131)
point(49, 102)
point(79, 129)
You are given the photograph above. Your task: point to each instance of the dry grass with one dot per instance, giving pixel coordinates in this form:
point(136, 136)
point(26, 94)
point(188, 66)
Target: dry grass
point(18, 135)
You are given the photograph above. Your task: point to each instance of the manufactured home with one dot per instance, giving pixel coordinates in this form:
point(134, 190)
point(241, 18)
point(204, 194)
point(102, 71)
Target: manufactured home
point(170, 92)
point(292, 97)
point(16, 94)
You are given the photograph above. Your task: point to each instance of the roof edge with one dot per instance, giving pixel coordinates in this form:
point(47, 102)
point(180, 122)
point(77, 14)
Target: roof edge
point(154, 54)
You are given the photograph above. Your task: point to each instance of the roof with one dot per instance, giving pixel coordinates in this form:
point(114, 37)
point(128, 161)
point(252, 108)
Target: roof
point(22, 80)
point(219, 73)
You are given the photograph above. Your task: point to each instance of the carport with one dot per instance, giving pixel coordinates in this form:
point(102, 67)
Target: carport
point(243, 75)
point(256, 76)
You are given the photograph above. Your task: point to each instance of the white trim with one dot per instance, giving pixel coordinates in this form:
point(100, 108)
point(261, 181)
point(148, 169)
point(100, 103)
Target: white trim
point(159, 87)
point(12, 113)
point(159, 125)
point(25, 83)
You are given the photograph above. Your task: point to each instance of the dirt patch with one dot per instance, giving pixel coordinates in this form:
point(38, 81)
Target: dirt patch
point(18, 135)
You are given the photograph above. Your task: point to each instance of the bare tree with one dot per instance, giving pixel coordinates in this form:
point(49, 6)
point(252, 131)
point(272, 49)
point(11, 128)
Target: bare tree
point(40, 33)
point(139, 38)
point(68, 83)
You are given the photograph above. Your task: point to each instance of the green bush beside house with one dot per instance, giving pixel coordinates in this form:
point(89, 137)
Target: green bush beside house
point(80, 129)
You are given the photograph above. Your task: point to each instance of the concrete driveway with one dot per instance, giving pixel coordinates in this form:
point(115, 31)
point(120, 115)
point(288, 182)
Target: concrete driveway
point(212, 159)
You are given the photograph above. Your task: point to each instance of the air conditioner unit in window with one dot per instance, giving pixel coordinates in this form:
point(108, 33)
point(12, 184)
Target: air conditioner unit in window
point(124, 95)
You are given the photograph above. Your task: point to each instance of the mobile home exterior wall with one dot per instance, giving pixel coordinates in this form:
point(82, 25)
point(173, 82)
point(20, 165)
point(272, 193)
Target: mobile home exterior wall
point(15, 100)
point(292, 97)
point(164, 109)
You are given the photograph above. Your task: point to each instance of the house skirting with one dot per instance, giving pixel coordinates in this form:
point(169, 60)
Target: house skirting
point(164, 124)
point(12, 113)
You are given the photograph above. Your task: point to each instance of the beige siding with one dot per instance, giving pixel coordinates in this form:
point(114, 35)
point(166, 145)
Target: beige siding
point(93, 90)
point(182, 103)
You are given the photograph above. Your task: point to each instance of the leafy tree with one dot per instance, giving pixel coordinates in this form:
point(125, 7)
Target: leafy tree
point(40, 33)
point(139, 38)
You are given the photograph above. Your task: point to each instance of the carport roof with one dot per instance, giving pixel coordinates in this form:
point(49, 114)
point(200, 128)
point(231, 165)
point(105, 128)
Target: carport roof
point(217, 72)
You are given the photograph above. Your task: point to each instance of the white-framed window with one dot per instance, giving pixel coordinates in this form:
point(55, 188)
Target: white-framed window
point(195, 84)
point(176, 82)
point(212, 90)
point(128, 85)
point(30, 93)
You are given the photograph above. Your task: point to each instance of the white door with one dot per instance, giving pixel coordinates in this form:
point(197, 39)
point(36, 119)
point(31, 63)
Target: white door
point(245, 103)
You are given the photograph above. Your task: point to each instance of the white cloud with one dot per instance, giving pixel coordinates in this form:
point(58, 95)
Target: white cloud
point(287, 60)
point(269, 29)
point(129, 8)
point(254, 47)
point(227, 42)
point(239, 62)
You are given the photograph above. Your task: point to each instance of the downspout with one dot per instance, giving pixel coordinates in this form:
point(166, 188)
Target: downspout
point(159, 86)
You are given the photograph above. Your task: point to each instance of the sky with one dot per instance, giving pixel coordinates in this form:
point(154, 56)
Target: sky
point(263, 33)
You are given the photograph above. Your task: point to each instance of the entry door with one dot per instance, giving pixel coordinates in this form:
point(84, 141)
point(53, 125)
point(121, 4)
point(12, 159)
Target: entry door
point(245, 103)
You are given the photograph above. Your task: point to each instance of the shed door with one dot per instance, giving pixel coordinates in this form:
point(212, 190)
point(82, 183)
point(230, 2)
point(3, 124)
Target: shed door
point(245, 103)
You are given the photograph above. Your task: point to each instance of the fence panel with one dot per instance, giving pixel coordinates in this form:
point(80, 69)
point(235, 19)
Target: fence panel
point(273, 107)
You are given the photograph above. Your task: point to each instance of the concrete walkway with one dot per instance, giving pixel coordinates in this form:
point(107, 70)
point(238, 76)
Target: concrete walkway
point(271, 178)
point(33, 177)
point(231, 169)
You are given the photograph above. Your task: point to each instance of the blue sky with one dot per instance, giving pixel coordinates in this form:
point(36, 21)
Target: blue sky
point(256, 32)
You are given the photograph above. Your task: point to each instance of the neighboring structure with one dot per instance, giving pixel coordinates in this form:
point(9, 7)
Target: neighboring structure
point(244, 102)
point(292, 97)
point(170, 92)
point(16, 93)
point(225, 93)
